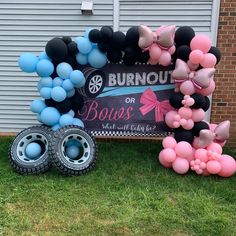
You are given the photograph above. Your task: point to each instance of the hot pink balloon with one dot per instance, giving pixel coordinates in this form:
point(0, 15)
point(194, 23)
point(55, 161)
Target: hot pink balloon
point(187, 88)
point(155, 52)
point(165, 58)
point(169, 142)
point(215, 147)
point(196, 56)
point(163, 162)
point(168, 155)
point(185, 112)
point(208, 60)
point(214, 167)
point(183, 149)
point(201, 42)
point(198, 115)
point(209, 90)
point(201, 154)
point(180, 165)
point(169, 118)
point(228, 166)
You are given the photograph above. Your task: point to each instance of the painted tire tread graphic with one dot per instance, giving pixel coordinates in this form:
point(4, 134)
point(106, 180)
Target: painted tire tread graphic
point(37, 167)
point(59, 160)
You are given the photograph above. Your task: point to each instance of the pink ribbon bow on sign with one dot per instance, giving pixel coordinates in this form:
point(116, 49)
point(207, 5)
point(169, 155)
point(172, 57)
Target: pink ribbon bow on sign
point(164, 36)
point(150, 102)
point(200, 79)
point(220, 134)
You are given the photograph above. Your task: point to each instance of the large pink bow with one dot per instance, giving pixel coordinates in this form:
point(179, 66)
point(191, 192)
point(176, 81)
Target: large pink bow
point(164, 36)
point(150, 102)
point(220, 134)
point(200, 79)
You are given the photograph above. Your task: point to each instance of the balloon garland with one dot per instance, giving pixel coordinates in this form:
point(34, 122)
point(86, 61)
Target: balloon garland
point(195, 144)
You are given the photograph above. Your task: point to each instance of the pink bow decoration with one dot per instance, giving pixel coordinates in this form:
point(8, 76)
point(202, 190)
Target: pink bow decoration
point(150, 102)
point(164, 36)
point(220, 134)
point(200, 79)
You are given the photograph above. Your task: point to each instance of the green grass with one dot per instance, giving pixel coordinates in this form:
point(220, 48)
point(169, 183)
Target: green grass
point(128, 193)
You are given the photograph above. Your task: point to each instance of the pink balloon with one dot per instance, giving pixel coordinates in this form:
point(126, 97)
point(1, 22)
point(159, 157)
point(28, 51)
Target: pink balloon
point(201, 42)
point(180, 165)
point(169, 118)
point(163, 162)
point(185, 112)
point(209, 90)
point(165, 58)
point(215, 147)
point(205, 172)
point(152, 62)
point(187, 88)
point(198, 115)
point(201, 154)
point(192, 66)
point(196, 143)
point(183, 149)
point(189, 124)
point(212, 127)
point(155, 52)
point(208, 61)
point(213, 167)
point(171, 50)
point(168, 154)
point(196, 56)
point(228, 166)
point(169, 142)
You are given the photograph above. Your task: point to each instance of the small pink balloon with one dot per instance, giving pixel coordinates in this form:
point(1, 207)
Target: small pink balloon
point(208, 61)
point(183, 149)
point(213, 167)
point(169, 118)
point(180, 165)
point(201, 154)
point(171, 50)
point(198, 115)
point(185, 112)
point(152, 62)
point(214, 147)
point(165, 58)
point(155, 52)
point(228, 166)
point(169, 142)
point(201, 42)
point(168, 154)
point(196, 56)
point(183, 122)
point(163, 162)
point(189, 124)
point(187, 88)
point(209, 90)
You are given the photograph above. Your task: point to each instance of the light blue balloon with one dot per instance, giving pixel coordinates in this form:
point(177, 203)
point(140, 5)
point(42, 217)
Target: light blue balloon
point(71, 113)
point(70, 93)
point(78, 122)
point(86, 33)
point(46, 82)
point(58, 94)
point(72, 151)
point(57, 82)
point(50, 116)
point(66, 119)
point(39, 118)
point(63, 70)
point(67, 85)
point(84, 45)
point(97, 59)
point(43, 55)
point(33, 151)
point(56, 127)
point(77, 78)
point(28, 62)
point(81, 58)
point(45, 92)
point(37, 106)
point(44, 68)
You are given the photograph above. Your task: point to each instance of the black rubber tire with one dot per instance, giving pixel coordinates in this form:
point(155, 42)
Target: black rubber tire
point(62, 162)
point(38, 166)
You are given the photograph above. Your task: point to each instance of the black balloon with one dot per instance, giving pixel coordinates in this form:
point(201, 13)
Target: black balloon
point(67, 39)
point(64, 106)
point(106, 34)
point(183, 52)
point(206, 104)
point(216, 52)
point(176, 100)
point(184, 35)
point(181, 134)
point(199, 101)
point(198, 126)
point(56, 49)
point(72, 48)
point(118, 40)
point(128, 61)
point(77, 101)
point(72, 61)
point(114, 56)
point(50, 102)
point(104, 47)
point(132, 36)
point(143, 57)
point(95, 36)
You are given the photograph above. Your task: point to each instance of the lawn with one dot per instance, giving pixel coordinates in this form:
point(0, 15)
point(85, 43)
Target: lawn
point(128, 193)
